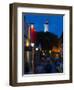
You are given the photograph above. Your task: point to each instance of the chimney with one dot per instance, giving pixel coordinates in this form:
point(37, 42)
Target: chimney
point(46, 27)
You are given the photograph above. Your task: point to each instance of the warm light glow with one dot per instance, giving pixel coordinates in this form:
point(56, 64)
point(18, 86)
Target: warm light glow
point(56, 55)
point(56, 50)
point(27, 43)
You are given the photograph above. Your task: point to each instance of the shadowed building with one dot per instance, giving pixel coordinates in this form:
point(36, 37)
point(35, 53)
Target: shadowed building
point(46, 39)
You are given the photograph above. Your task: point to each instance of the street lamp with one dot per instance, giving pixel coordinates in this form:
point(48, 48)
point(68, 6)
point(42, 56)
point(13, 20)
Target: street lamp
point(36, 49)
point(32, 45)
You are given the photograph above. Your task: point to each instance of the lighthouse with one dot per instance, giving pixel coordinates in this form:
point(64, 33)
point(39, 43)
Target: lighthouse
point(46, 26)
point(33, 33)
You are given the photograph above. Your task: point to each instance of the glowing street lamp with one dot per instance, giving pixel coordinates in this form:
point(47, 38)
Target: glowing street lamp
point(36, 49)
point(32, 45)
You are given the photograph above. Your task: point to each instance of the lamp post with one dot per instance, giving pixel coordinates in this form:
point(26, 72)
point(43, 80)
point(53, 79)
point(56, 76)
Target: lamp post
point(32, 45)
point(28, 55)
point(33, 39)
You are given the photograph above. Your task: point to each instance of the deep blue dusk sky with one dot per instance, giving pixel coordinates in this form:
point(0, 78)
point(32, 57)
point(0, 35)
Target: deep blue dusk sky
point(55, 22)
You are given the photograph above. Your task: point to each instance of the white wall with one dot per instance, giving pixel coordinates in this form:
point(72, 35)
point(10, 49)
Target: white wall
point(4, 46)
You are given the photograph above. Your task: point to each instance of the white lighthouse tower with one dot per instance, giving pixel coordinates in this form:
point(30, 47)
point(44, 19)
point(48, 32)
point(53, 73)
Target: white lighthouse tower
point(46, 27)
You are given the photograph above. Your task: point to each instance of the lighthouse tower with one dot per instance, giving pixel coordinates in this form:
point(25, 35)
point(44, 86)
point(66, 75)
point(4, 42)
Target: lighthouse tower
point(33, 33)
point(46, 27)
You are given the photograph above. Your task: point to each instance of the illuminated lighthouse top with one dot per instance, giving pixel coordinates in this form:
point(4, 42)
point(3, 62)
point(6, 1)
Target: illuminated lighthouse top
point(32, 26)
point(46, 27)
